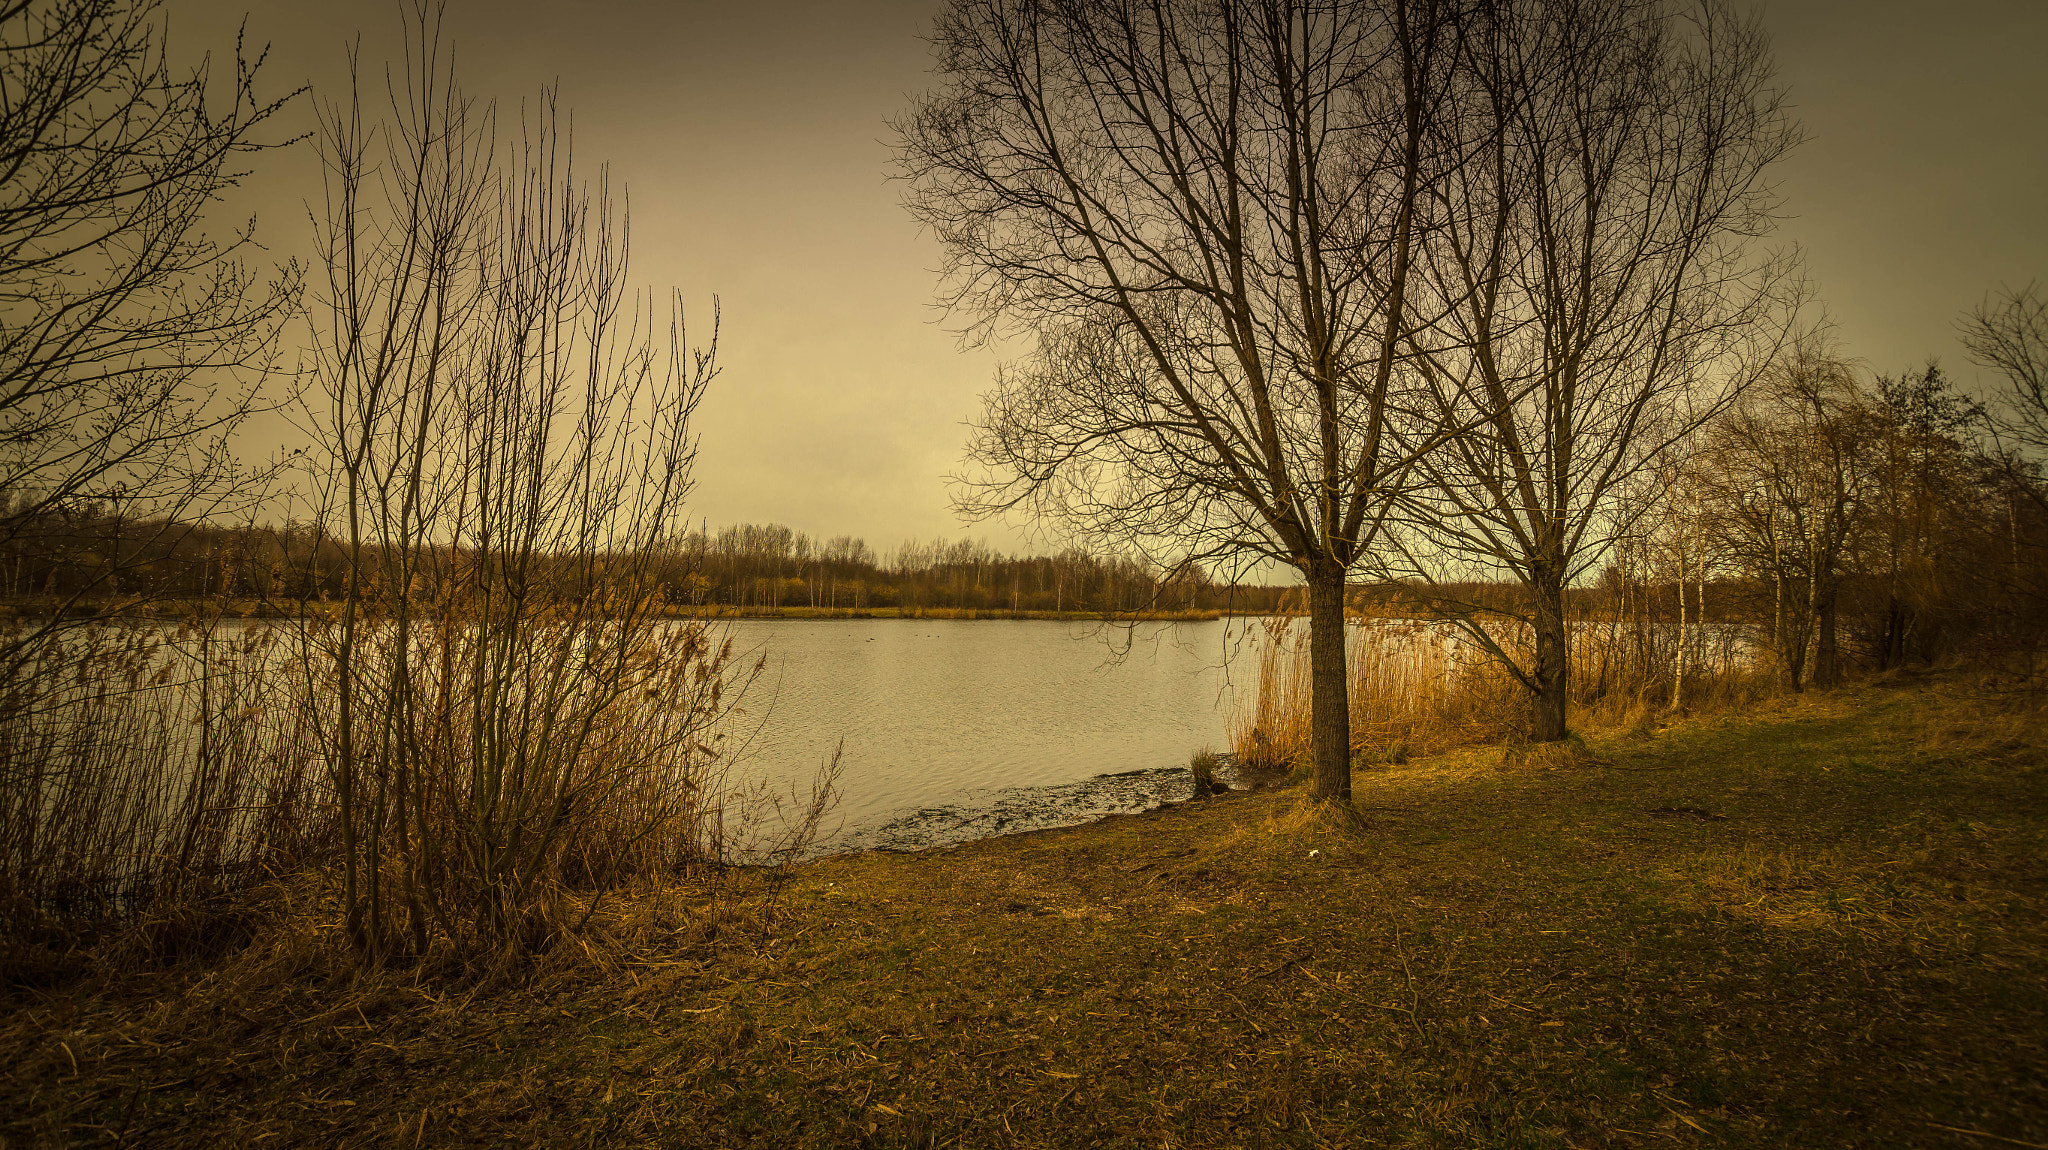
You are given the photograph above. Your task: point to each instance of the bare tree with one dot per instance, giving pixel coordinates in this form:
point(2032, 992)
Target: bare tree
point(1204, 214)
point(1589, 290)
point(1793, 472)
point(133, 340)
point(2008, 334)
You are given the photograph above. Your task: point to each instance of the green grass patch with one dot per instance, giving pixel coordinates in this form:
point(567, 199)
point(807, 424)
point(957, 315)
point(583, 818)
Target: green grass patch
point(1816, 924)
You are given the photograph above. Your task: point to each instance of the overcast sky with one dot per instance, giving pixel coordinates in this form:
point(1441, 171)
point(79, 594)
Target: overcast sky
point(752, 138)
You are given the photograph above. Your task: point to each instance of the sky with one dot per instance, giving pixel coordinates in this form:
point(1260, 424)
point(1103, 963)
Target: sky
point(753, 141)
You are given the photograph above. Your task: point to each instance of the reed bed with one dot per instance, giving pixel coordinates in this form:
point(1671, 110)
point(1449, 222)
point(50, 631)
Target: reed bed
point(1425, 686)
point(155, 778)
point(144, 771)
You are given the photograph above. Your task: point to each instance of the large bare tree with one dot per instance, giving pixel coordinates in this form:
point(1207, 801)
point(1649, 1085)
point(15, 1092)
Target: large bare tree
point(2007, 334)
point(1591, 291)
point(1203, 216)
point(133, 337)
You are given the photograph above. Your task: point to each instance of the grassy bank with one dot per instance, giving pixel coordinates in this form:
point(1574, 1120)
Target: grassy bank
point(1819, 923)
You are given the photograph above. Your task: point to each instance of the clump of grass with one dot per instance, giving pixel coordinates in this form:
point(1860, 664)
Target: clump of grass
point(1272, 733)
point(1427, 687)
point(148, 776)
point(1568, 752)
point(1307, 823)
point(157, 781)
point(1202, 766)
point(1415, 687)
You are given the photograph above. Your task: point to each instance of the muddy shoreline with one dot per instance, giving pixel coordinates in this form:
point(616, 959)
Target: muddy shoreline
point(1002, 812)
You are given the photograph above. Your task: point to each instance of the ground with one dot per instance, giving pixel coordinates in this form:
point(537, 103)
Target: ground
point(1816, 924)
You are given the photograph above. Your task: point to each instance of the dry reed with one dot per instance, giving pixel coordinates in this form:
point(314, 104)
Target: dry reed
point(154, 777)
point(1426, 686)
point(144, 768)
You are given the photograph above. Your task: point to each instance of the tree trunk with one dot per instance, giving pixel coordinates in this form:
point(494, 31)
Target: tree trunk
point(1827, 668)
point(1792, 654)
point(1552, 671)
point(1330, 699)
point(1790, 647)
point(1678, 663)
point(1894, 652)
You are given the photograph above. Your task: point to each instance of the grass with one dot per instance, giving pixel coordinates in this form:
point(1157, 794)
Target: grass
point(1819, 923)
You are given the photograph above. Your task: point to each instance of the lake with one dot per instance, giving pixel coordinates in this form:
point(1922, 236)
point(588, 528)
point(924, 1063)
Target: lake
point(960, 729)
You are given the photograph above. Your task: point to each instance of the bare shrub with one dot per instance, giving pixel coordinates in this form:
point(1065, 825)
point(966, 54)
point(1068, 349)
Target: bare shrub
point(516, 723)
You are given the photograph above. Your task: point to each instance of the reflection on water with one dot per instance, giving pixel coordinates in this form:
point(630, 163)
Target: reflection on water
point(944, 721)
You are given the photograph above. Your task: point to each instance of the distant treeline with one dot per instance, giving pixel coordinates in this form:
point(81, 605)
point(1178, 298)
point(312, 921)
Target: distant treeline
point(1948, 569)
point(771, 565)
point(87, 554)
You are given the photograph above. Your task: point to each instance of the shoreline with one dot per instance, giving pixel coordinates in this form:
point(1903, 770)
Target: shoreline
point(1037, 809)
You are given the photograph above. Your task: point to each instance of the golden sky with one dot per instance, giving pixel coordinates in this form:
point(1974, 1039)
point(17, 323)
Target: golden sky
point(752, 139)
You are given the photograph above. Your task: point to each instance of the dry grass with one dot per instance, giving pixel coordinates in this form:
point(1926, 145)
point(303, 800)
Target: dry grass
point(1272, 732)
point(1421, 688)
point(1816, 924)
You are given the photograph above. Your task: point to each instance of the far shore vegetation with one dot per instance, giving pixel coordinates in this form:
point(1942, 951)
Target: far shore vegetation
point(162, 611)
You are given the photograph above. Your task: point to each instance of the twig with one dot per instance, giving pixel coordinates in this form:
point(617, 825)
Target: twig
point(128, 1114)
point(1277, 969)
point(1986, 1134)
point(1414, 997)
point(1506, 1003)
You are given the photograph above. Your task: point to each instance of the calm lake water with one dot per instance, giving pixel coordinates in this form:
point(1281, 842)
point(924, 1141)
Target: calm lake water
point(961, 729)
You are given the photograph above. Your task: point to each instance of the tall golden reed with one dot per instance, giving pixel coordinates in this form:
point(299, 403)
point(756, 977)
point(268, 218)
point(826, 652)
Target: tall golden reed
point(1422, 686)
